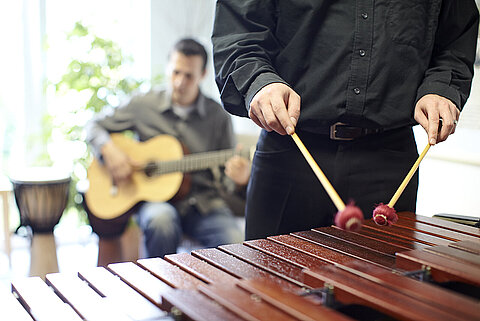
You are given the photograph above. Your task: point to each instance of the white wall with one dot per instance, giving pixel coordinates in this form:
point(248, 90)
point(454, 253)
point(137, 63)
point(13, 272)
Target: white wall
point(450, 173)
point(172, 20)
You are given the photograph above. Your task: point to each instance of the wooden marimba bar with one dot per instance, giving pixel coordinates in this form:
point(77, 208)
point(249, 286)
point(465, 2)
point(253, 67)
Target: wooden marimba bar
point(322, 274)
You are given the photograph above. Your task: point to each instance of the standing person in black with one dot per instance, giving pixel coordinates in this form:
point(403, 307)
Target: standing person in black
point(351, 78)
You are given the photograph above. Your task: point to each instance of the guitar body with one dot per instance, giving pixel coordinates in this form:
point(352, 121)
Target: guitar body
point(106, 201)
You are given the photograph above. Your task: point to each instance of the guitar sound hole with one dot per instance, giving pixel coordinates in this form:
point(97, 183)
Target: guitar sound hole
point(150, 169)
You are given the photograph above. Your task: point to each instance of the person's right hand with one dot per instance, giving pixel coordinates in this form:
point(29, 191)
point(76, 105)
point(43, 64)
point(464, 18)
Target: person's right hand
point(117, 163)
point(238, 169)
point(276, 107)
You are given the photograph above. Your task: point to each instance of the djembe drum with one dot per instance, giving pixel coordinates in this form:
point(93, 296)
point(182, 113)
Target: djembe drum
point(41, 194)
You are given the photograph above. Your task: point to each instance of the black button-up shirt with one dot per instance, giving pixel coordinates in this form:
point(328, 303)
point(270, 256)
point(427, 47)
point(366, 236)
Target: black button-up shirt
point(362, 62)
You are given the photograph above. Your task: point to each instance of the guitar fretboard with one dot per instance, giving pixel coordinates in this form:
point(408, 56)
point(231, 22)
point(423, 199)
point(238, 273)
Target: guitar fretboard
point(194, 162)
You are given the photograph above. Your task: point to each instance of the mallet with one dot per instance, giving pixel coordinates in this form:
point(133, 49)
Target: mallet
point(348, 217)
point(385, 214)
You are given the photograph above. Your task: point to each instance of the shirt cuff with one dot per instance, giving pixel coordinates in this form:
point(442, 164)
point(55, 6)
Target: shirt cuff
point(261, 81)
point(441, 90)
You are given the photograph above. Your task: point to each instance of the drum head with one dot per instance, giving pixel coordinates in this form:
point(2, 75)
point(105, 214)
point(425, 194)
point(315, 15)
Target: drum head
point(43, 175)
point(41, 194)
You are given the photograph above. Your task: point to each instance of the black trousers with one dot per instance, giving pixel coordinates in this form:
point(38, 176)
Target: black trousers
point(284, 195)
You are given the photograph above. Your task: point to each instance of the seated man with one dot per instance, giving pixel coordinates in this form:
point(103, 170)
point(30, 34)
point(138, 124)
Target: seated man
point(201, 125)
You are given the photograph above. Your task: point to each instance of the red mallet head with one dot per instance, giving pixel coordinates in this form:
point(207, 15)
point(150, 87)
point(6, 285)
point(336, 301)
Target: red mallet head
point(350, 219)
point(384, 215)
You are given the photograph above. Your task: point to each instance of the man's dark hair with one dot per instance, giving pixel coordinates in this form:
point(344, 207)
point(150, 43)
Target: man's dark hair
point(190, 47)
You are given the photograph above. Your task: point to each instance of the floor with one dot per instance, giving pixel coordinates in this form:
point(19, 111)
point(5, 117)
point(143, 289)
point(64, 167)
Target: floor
point(76, 249)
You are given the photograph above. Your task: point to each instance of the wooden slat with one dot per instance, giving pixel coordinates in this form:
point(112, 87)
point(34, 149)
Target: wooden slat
point(298, 306)
point(456, 254)
point(269, 263)
point(265, 279)
point(286, 254)
point(426, 292)
point(360, 240)
point(407, 233)
point(238, 268)
point(200, 269)
point(141, 280)
point(472, 247)
point(304, 246)
point(442, 269)
point(170, 274)
point(461, 228)
point(358, 252)
point(122, 296)
point(396, 240)
point(243, 304)
point(88, 303)
point(351, 289)
point(195, 306)
point(436, 231)
point(40, 301)
point(12, 310)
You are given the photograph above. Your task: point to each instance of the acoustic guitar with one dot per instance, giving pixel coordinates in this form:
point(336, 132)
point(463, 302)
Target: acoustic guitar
point(159, 179)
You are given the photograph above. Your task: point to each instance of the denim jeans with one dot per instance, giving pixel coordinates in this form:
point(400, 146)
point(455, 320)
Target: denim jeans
point(163, 228)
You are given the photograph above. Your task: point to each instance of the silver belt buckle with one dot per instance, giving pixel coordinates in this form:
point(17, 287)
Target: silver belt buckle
point(333, 132)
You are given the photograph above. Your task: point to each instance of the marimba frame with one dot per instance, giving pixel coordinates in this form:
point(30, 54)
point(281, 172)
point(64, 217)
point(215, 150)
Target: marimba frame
point(285, 277)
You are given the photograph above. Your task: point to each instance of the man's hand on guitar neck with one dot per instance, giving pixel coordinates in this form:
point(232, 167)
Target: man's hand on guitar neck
point(118, 163)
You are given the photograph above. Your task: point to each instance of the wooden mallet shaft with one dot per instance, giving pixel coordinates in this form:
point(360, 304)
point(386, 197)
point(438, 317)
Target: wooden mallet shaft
point(407, 179)
point(321, 176)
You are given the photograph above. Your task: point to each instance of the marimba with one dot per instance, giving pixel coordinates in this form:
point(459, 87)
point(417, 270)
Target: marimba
point(420, 269)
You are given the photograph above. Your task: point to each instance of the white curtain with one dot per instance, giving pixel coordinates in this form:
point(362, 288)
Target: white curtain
point(34, 49)
point(22, 61)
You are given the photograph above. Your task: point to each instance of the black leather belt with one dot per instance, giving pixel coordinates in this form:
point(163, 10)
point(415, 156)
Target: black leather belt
point(342, 131)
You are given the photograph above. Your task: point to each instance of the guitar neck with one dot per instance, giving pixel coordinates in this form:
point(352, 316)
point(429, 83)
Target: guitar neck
point(196, 162)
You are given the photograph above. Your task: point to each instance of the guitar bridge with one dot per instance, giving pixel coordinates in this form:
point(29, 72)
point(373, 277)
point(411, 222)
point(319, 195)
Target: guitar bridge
point(114, 190)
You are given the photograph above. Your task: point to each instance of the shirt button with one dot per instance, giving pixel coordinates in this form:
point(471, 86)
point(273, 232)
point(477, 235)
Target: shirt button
point(356, 91)
point(364, 15)
point(361, 52)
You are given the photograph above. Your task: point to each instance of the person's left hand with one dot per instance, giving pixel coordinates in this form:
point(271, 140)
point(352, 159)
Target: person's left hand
point(276, 107)
point(238, 169)
point(428, 112)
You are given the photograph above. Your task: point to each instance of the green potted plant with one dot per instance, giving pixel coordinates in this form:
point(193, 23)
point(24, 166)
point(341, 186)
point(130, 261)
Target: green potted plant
point(99, 78)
